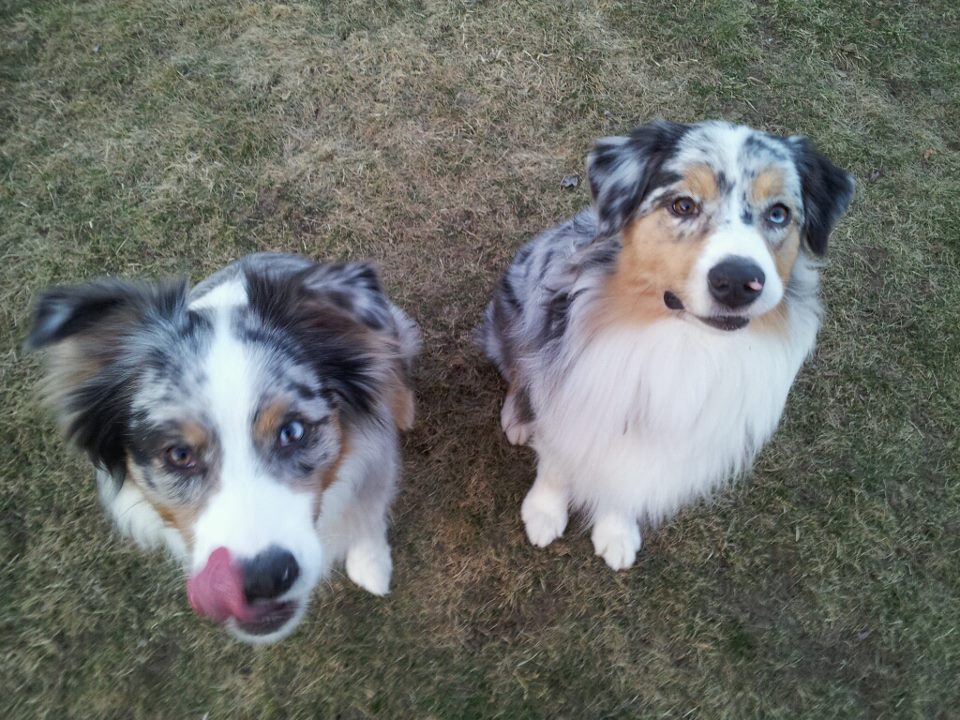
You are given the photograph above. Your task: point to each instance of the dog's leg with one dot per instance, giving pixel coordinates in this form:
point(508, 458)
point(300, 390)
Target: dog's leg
point(369, 564)
point(367, 560)
point(616, 538)
point(544, 510)
point(516, 416)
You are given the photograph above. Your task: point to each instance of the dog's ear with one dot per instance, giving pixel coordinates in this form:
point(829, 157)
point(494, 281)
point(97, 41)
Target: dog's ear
point(65, 312)
point(97, 336)
point(827, 191)
point(622, 170)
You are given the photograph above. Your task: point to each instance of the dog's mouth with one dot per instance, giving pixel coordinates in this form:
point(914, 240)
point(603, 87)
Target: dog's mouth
point(672, 301)
point(267, 618)
point(217, 592)
point(720, 322)
point(725, 322)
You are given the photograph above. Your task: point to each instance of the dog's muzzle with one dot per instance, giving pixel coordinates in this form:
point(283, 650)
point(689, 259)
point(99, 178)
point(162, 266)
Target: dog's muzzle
point(248, 593)
point(720, 322)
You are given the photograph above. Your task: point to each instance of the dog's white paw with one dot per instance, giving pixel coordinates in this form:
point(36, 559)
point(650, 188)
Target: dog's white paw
point(544, 513)
point(616, 539)
point(369, 566)
point(517, 431)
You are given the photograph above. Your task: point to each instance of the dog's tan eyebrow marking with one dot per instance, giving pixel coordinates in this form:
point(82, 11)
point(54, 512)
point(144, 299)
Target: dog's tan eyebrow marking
point(701, 181)
point(268, 420)
point(195, 434)
point(767, 185)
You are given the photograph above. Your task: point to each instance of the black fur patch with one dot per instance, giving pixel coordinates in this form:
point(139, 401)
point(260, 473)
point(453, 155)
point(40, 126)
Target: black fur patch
point(558, 315)
point(120, 325)
point(509, 294)
point(326, 335)
point(602, 255)
point(762, 145)
point(63, 312)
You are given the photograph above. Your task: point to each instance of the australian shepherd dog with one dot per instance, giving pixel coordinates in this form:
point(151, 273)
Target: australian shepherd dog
point(650, 341)
point(248, 425)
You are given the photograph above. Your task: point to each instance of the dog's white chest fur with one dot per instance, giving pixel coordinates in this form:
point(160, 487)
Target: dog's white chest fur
point(645, 420)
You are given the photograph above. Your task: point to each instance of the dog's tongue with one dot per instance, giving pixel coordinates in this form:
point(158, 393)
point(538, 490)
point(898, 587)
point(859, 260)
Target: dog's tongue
point(216, 591)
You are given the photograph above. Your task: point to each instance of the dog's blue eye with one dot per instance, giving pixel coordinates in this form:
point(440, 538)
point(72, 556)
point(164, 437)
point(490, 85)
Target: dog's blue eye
point(291, 433)
point(778, 215)
point(180, 457)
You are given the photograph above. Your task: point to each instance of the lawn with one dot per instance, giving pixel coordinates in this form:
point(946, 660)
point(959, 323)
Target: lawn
point(168, 137)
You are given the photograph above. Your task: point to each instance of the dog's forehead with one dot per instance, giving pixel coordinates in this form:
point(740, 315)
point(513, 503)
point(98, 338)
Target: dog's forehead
point(277, 358)
point(179, 380)
point(282, 377)
point(173, 373)
point(737, 154)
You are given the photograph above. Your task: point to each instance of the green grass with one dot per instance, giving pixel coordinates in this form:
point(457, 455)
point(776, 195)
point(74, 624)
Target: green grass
point(158, 138)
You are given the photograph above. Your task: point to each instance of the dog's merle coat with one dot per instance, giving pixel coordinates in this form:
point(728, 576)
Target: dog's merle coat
point(256, 413)
point(552, 310)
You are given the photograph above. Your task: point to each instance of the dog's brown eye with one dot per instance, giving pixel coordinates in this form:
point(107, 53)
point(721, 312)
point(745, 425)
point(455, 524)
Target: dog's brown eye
point(685, 207)
point(778, 215)
point(291, 433)
point(180, 457)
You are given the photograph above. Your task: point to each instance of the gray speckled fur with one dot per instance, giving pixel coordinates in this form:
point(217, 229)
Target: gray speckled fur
point(321, 342)
point(540, 287)
point(645, 394)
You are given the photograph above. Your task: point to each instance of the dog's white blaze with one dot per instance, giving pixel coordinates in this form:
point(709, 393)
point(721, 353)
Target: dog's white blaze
point(224, 295)
point(249, 511)
point(733, 237)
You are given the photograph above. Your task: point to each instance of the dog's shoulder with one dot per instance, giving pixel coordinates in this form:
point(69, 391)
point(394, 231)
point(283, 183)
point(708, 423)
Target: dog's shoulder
point(555, 271)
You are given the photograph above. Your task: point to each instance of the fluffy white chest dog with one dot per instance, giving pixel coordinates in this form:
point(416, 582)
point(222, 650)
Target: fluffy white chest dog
point(650, 343)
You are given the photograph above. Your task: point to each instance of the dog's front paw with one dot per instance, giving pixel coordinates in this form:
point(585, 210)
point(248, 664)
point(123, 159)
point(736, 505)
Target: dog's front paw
point(616, 539)
point(515, 427)
point(518, 433)
point(369, 566)
point(544, 513)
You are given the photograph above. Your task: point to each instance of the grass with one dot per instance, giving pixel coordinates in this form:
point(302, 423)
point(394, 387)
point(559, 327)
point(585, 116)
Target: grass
point(158, 138)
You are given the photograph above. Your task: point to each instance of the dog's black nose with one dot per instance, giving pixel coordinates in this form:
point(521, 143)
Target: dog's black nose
point(269, 574)
point(736, 282)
